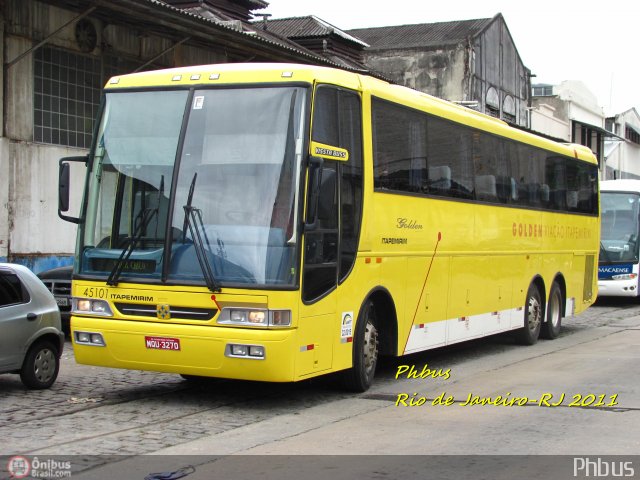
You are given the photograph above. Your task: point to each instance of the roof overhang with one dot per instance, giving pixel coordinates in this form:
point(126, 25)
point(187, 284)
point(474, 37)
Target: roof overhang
point(158, 18)
point(603, 131)
point(632, 127)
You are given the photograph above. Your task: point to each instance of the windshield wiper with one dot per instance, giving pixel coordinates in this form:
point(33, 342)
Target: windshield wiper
point(185, 224)
point(141, 222)
point(193, 220)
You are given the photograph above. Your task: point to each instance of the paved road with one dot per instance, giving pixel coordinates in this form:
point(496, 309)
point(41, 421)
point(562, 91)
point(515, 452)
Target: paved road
point(98, 413)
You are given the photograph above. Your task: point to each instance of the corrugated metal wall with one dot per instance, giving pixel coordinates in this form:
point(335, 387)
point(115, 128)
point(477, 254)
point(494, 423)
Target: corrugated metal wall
point(30, 231)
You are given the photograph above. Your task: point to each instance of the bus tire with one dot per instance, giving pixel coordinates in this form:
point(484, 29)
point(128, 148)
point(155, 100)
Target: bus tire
point(41, 366)
point(533, 312)
point(551, 328)
point(365, 351)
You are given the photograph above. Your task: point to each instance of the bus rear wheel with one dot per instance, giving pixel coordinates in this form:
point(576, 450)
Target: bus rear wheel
point(533, 314)
point(365, 351)
point(551, 328)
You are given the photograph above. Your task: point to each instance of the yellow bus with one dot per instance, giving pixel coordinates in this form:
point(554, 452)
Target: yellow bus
point(277, 222)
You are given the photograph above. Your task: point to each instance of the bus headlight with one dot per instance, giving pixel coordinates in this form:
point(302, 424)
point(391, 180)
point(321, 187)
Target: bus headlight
point(255, 317)
point(239, 350)
point(625, 276)
point(246, 317)
point(91, 306)
point(89, 338)
point(253, 352)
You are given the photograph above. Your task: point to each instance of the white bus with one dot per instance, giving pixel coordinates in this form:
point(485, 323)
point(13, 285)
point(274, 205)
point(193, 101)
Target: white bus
point(620, 214)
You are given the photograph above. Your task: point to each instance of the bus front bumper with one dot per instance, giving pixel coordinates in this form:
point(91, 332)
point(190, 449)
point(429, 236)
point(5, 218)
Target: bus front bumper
point(618, 288)
point(186, 349)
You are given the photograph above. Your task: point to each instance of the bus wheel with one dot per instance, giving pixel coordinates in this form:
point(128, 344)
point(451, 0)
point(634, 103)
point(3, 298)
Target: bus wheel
point(551, 328)
point(365, 352)
point(533, 310)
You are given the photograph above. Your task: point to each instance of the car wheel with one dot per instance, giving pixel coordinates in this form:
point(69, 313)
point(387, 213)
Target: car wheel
point(41, 366)
point(551, 328)
point(533, 314)
point(365, 352)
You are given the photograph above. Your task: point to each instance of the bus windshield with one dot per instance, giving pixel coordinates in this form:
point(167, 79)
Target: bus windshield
point(213, 197)
point(620, 212)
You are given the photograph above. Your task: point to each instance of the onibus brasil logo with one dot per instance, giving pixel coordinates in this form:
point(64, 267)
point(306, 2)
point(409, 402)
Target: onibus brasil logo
point(21, 467)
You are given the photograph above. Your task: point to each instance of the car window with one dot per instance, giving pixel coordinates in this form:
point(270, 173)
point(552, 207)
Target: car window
point(11, 290)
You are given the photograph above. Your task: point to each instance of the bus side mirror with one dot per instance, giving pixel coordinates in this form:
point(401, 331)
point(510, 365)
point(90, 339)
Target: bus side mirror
point(313, 192)
point(64, 186)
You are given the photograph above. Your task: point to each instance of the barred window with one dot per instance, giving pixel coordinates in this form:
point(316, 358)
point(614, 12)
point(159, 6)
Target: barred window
point(67, 90)
point(542, 90)
point(632, 134)
point(66, 97)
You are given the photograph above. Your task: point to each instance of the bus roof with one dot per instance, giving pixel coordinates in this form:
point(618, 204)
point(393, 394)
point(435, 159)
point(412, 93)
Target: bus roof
point(473, 118)
point(234, 73)
point(256, 73)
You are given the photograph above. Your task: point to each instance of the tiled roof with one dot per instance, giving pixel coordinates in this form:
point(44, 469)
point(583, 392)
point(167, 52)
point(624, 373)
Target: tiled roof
point(258, 4)
point(421, 35)
point(308, 27)
point(249, 4)
point(204, 27)
point(253, 34)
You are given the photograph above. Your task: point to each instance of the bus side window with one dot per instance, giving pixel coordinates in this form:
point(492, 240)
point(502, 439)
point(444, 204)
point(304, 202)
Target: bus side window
point(506, 189)
point(321, 243)
point(331, 246)
point(486, 188)
point(399, 148)
point(545, 194)
point(439, 179)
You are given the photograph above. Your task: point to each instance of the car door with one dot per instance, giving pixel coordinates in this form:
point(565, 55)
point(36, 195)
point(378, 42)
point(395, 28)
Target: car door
point(17, 324)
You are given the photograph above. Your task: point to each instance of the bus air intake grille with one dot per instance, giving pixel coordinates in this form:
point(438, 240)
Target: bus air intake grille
point(175, 313)
point(589, 273)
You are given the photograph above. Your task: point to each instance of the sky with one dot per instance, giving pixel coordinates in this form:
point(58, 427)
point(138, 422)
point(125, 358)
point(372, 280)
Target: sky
point(594, 42)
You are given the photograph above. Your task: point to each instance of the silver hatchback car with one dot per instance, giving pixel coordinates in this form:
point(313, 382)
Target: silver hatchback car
point(31, 338)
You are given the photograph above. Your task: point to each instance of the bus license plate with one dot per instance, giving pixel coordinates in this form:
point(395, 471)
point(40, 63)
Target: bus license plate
point(162, 343)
